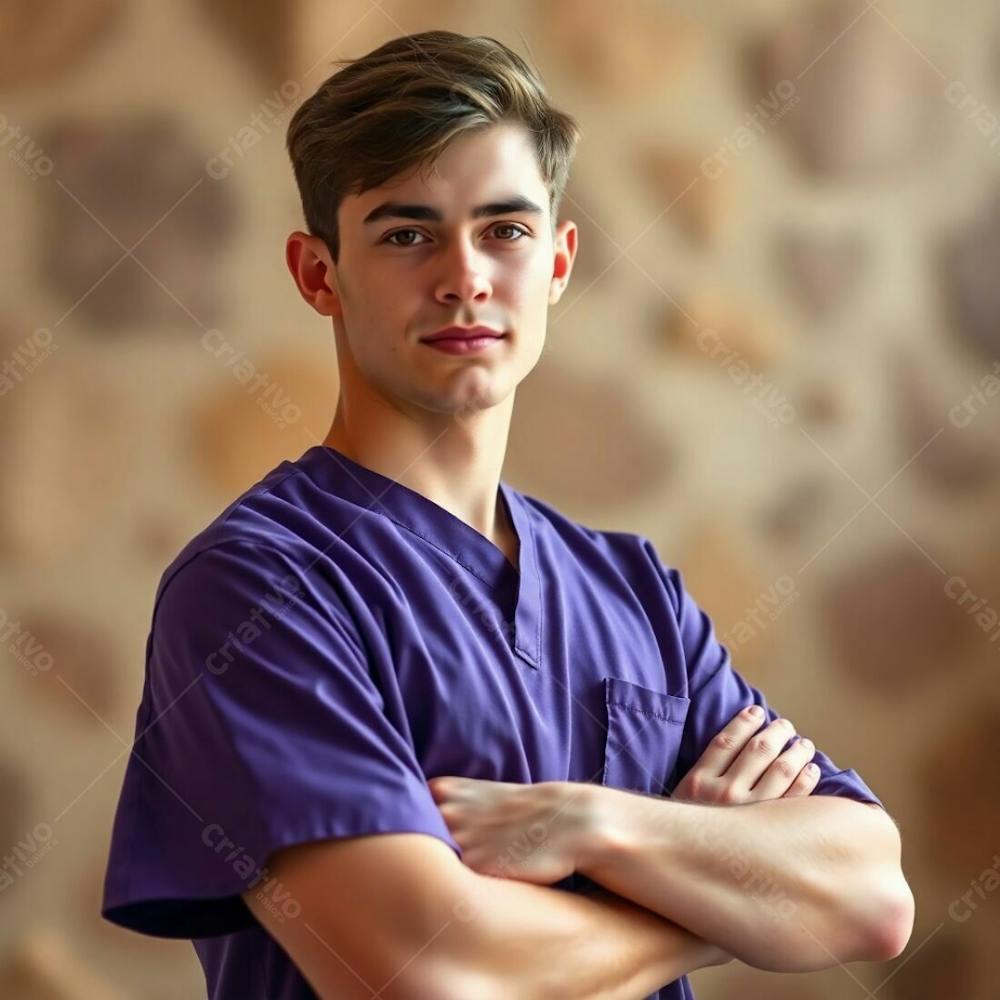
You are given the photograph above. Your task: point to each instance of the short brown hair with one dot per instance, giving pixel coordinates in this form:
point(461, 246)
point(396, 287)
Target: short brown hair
point(397, 107)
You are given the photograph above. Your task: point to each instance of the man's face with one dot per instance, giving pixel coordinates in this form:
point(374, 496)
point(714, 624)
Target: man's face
point(402, 277)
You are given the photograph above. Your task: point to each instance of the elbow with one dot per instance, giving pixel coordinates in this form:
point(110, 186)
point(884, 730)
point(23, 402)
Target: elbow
point(888, 904)
point(872, 924)
point(890, 936)
point(878, 931)
point(878, 934)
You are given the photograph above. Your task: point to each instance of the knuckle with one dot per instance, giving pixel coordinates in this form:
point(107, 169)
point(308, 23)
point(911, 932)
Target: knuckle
point(785, 768)
point(804, 788)
point(697, 786)
point(725, 741)
point(762, 746)
point(730, 795)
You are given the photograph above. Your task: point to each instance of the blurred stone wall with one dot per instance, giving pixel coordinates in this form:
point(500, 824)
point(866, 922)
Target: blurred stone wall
point(777, 358)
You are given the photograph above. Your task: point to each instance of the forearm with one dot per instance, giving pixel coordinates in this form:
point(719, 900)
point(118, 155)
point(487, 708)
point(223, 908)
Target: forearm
point(531, 941)
point(398, 915)
point(786, 885)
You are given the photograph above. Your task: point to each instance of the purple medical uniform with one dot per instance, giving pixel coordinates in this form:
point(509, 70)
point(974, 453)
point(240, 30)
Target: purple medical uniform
point(334, 639)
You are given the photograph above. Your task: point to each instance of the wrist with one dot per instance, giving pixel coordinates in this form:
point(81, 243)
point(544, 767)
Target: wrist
point(593, 833)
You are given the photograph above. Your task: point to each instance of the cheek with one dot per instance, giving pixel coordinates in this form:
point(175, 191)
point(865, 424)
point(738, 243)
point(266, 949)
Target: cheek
point(536, 285)
point(370, 324)
point(524, 293)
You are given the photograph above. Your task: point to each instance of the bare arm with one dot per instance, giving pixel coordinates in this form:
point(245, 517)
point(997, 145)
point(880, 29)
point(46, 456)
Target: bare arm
point(785, 881)
point(781, 881)
point(398, 915)
point(789, 885)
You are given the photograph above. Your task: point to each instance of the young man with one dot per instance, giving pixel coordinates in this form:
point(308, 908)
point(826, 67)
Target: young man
point(407, 732)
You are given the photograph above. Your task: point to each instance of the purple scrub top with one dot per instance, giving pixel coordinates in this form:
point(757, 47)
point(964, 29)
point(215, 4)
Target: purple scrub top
point(333, 639)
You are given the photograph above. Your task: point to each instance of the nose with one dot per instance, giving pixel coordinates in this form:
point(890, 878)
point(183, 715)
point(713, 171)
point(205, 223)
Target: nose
point(462, 277)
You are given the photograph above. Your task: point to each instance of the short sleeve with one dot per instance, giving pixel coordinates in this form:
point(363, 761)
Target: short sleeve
point(718, 692)
point(260, 726)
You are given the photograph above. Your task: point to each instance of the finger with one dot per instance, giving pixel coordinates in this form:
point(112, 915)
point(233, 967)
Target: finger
point(759, 754)
point(804, 784)
point(726, 745)
point(787, 767)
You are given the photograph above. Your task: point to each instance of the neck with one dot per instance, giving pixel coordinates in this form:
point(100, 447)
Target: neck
point(453, 460)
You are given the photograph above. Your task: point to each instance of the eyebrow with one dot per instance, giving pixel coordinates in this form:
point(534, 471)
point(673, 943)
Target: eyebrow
point(427, 213)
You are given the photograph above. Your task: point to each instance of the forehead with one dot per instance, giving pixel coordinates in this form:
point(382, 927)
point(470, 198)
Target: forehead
point(488, 165)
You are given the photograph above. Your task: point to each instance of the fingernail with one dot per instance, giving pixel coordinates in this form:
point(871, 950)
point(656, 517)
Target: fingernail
point(756, 711)
point(807, 744)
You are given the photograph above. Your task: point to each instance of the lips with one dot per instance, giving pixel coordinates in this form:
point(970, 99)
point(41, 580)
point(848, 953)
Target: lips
point(463, 333)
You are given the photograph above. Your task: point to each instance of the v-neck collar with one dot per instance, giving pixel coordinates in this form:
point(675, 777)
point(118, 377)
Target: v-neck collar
point(442, 529)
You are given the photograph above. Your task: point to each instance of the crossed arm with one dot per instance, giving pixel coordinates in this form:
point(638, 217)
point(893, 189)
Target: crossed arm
point(789, 885)
point(399, 917)
point(782, 883)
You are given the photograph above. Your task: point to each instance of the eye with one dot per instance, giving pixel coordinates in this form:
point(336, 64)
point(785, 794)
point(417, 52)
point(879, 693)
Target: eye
point(398, 232)
point(518, 230)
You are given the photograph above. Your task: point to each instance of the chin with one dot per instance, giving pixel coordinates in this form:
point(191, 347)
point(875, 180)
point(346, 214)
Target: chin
point(465, 403)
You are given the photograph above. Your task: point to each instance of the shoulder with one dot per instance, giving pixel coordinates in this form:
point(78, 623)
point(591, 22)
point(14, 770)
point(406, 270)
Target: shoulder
point(630, 553)
point(262, 603)
point(551, 520)
point(278, 528)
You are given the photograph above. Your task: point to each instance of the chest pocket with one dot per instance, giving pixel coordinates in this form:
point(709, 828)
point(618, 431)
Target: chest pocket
point(644, 735)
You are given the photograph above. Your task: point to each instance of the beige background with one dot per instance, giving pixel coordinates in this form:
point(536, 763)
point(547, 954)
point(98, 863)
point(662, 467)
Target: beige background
point(842, 246)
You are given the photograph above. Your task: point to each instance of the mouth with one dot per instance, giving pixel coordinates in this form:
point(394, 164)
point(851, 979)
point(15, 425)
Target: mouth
point(458, 340)
point(464, 345)
point(462, 334)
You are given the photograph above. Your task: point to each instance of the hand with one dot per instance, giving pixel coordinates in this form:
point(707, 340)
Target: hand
point(527, 832)
point(739, 766)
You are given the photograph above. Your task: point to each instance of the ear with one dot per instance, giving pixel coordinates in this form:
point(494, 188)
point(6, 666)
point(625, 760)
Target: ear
point(564, 245)
point(314, 272)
